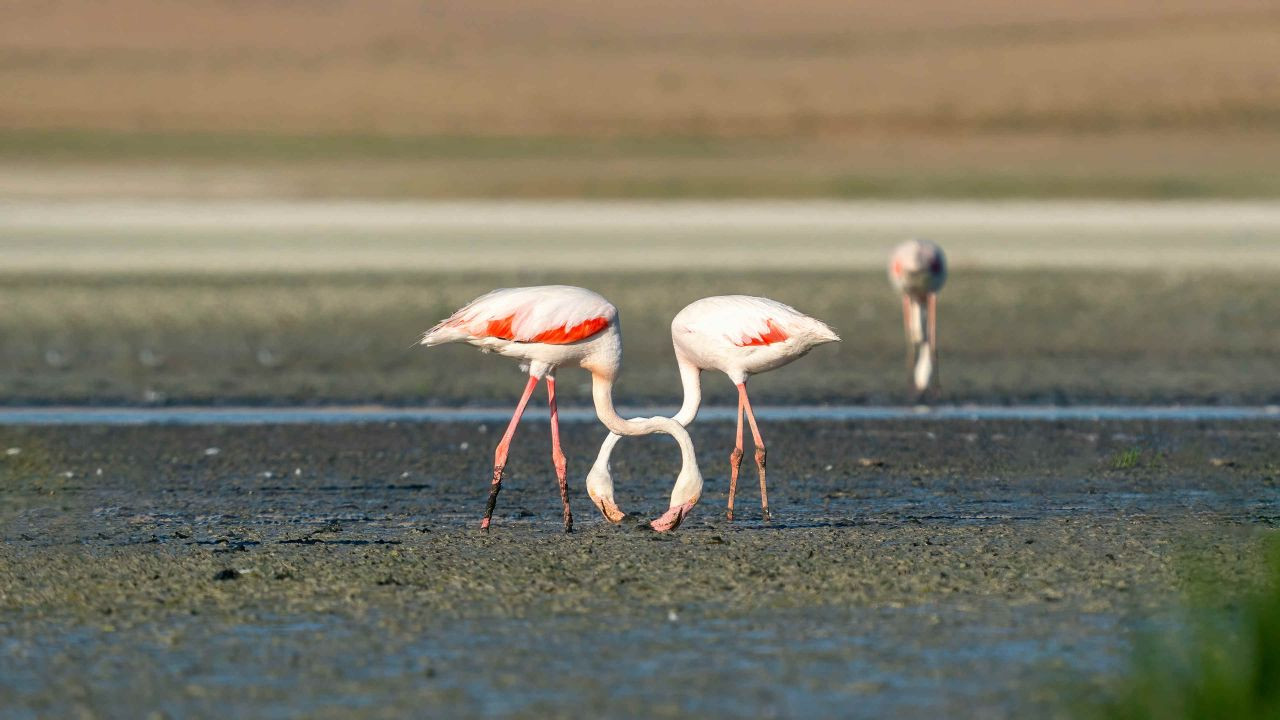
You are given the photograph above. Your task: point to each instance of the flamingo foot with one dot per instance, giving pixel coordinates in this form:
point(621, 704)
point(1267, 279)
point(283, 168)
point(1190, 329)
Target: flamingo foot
point(672, 518)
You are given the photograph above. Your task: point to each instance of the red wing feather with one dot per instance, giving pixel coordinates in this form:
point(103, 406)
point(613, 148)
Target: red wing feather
point(501, 329)
point(564, 336)
point(773, 335)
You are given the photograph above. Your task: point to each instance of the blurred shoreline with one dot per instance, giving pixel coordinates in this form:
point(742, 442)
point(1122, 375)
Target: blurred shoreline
point(1127, 164)
point(273, 236)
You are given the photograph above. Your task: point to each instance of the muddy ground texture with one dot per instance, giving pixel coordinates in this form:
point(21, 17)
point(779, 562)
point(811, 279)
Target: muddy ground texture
point(912, 568)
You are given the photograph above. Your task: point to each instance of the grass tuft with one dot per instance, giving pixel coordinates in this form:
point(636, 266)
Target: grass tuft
point(1217, 665)
point(1128, 459)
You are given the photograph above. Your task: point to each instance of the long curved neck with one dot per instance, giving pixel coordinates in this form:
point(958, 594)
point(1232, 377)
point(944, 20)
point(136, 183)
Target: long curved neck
point(691, 380)
point(917, 328)
point(602, 395)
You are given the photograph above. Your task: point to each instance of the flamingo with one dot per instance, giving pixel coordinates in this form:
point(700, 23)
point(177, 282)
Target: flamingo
point(739, 335)
point(918, 270)
point(552, 325)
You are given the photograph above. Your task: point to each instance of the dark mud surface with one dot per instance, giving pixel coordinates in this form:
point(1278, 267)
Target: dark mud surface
point(914, 568)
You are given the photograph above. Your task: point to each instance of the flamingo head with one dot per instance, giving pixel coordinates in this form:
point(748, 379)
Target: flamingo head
point(600, 490)
point(918, 267)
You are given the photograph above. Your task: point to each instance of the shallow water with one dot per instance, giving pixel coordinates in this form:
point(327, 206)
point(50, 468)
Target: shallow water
point(849, 662)
point(358, 414)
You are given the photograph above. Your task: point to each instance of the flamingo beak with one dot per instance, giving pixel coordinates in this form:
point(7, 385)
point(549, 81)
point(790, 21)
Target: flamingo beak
point(600, 489)
point(672, 518)
point(609, 509)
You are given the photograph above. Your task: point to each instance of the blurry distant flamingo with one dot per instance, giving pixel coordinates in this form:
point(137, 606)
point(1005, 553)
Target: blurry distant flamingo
point(546, 327)
point(739, 335)
point(918, 270)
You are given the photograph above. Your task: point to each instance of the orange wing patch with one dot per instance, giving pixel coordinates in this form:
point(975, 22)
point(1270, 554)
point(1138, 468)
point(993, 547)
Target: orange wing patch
point(565, 335)
point(773, 335)
point(501, 329)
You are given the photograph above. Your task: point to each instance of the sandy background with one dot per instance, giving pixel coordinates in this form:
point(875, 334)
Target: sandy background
point(560, 98)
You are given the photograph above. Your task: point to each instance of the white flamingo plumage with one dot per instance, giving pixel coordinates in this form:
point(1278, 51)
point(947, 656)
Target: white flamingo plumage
point(918, 270)
point(546, 327)
point(739, 335)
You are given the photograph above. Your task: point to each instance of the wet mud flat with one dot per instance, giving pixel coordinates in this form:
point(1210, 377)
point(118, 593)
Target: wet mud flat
point(993, 568)
point(1181, 335)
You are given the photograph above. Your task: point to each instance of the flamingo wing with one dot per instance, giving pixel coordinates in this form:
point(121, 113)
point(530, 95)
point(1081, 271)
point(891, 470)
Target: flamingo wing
point(551, 314)
point(748, 321)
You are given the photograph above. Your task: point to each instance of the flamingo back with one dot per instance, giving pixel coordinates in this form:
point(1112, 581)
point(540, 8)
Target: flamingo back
point(549, 314)
point(743, 334)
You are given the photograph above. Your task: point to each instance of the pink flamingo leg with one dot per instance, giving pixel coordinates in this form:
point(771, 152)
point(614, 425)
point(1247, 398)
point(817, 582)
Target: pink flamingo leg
point(906, 329)
point(755, 433)
point(933, 340)
point(557, 455)
point(735, 457)
point(500, 455)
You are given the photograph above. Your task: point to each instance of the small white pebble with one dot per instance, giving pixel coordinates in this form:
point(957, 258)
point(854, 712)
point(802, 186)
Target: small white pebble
point(268, 474)
point(483, 429)
point(297, 472)
point(404, 474)
point(212, 451)
point(99, 472)
point(672, 616)
point(828, 467)
point(68, 474)
point(13, 451)
point(463, 446)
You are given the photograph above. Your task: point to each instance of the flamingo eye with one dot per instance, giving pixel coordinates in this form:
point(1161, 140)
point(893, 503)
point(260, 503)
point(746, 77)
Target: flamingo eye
point(935, 265)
